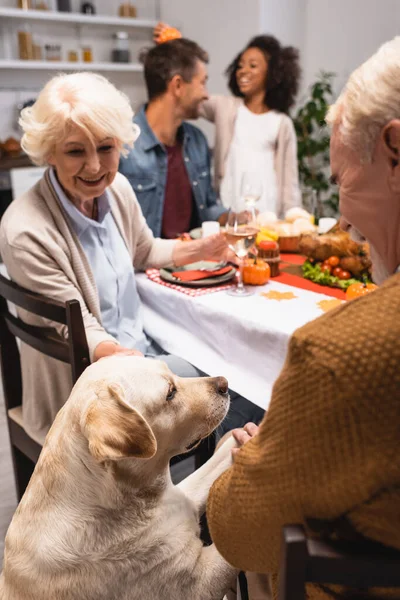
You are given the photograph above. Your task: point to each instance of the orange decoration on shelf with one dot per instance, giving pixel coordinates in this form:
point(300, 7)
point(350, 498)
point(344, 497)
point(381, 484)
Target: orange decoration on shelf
point(168, 34)
point(273, 295)
point(327, 305)
point(356, 290)
point(256, 272)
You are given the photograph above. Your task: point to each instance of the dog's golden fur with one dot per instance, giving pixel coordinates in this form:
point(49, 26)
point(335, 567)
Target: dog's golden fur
point(101, 518)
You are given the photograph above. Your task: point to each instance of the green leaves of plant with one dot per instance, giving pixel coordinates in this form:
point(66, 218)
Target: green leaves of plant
point(313, 140)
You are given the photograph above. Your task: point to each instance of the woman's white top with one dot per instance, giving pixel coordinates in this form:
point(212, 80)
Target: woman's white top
point(252, 151)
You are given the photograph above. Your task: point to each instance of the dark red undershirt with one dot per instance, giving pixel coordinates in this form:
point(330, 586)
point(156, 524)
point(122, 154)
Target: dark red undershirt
point(178, 201)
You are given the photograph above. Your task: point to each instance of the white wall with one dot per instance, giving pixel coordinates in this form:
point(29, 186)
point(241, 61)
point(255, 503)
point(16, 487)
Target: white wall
point(340, 35)
point(285, 19)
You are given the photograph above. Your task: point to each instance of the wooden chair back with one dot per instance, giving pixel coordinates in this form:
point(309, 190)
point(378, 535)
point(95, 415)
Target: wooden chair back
point(74, 351)
point(358, 565)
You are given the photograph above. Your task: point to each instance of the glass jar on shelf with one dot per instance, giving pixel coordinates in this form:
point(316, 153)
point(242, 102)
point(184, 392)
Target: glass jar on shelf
point(88, 8)
point(37, 49)
point(72, 56)
point(87, 55)
point(64, 5)
point(120, 52)
point(24, 4)
point(53, 52)
point(126, 9)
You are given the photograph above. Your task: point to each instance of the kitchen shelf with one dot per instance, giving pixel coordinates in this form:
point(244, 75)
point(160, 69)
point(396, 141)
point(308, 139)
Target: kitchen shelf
point(48, 65)
point(78, 18)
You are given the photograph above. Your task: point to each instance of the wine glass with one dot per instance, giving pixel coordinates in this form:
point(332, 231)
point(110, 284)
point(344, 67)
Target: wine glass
point(251, 189)
point(240, 231)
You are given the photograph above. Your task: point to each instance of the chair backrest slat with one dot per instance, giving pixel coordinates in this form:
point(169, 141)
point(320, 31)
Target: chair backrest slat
point(364, 565)
point(78, 348)
point(352, 564)
point(43, 339)
point(32, 302)
point(10, 362)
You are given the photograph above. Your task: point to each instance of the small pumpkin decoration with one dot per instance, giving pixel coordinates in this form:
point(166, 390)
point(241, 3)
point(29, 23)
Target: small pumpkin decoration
point(168, 34)
point(356, 290)
point(256, 272)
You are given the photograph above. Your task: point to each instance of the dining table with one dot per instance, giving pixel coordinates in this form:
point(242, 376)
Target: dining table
point(244, 339)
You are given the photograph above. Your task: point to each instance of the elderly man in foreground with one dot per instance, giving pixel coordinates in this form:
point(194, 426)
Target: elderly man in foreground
point(328, 446)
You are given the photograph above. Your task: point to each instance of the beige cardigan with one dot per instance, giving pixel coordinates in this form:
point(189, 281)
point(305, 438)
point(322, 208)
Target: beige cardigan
point(42, 253)
point(222, 110)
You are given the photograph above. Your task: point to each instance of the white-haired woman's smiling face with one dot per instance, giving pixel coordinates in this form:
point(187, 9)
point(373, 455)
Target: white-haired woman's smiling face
point(85, 169)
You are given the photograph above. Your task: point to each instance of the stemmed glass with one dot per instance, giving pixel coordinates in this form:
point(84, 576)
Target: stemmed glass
point(251, 189)
point(241, 227)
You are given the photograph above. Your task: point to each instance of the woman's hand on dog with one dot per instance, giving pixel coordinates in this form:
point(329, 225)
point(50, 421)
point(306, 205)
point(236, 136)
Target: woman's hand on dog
point(242, 436)
point(105, 349)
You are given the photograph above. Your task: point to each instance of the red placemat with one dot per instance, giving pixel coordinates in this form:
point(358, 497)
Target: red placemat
point(288, 260)
point(154, 275)
point(306, 284)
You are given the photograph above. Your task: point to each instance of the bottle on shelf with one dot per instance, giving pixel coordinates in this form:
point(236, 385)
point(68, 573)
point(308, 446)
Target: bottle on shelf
point(120, 52)
point(25, 43)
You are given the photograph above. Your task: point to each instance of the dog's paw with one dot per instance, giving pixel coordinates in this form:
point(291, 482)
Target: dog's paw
point(225, 449)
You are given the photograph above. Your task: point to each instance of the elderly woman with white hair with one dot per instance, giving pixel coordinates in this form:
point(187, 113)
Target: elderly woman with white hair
point(79, 233)
point(328, 447)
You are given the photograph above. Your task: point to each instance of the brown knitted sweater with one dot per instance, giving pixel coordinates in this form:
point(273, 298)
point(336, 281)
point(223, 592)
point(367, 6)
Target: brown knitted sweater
point(330, 442)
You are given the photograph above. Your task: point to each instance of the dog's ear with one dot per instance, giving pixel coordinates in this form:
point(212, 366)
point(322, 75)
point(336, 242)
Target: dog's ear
point(114, 429)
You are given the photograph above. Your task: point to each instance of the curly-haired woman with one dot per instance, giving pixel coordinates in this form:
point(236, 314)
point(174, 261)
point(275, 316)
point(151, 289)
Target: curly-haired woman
point(253, 130)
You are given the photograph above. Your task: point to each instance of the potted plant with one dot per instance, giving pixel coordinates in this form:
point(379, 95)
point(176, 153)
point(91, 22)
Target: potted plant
point(319, 195)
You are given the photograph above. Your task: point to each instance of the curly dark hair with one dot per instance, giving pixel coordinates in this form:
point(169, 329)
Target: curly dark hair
point(162, 62)
point(283, 74)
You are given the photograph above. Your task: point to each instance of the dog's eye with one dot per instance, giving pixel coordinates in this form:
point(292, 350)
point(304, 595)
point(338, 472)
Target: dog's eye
point(171, 392)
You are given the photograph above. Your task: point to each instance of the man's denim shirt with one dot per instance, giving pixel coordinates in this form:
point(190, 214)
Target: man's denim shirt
point(146, 169)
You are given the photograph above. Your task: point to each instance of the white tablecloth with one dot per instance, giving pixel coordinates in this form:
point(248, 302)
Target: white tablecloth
point(244, 339)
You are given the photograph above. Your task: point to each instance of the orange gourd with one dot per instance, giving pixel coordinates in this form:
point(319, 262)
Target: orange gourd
point(356, 290)
point(256, 272)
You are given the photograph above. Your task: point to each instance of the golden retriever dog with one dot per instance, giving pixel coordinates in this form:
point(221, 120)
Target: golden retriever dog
point(101, 518)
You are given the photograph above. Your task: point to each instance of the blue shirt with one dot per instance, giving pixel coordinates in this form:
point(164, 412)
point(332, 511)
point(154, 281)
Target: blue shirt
point(112, 268)
point(146, 169)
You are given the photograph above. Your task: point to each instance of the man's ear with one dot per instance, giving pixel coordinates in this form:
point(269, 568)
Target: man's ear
point(175, 84)
point(391, 147)
point(114, 429)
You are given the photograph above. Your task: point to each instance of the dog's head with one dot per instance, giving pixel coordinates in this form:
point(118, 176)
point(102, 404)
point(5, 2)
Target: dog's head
point(131, 407)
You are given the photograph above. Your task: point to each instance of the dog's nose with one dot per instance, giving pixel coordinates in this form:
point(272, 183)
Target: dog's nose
point(222, 385)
